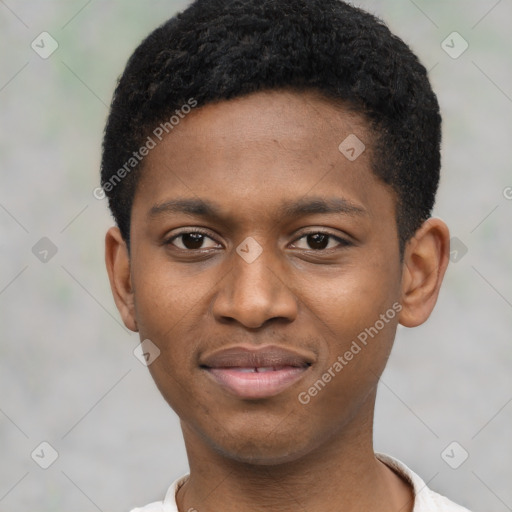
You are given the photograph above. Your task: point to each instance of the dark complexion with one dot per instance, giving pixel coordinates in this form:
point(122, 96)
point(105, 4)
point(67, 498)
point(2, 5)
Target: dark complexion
point(267, 166)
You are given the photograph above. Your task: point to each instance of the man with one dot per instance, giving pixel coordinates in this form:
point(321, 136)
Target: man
point(272, 167)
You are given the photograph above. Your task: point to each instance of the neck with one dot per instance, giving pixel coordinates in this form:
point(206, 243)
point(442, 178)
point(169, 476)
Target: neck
point(342, 473)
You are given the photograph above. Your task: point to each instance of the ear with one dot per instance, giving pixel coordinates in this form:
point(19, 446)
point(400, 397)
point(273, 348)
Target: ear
point(117, 261)
point(426, 258)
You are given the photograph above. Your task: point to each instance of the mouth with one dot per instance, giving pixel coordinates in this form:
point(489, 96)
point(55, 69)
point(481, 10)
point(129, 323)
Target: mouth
point(254, 374)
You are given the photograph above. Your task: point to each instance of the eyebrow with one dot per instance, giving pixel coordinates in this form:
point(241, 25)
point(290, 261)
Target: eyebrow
point(302, 207)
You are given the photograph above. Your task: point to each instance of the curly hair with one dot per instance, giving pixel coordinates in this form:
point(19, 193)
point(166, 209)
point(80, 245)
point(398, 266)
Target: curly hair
point(221, 49)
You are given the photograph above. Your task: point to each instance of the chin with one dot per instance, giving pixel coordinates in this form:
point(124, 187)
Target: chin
point(261, 448)
point(259, 457)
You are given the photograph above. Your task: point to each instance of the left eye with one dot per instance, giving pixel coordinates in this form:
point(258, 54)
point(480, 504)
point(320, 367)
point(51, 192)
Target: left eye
point(321, 241)
point(192, 241)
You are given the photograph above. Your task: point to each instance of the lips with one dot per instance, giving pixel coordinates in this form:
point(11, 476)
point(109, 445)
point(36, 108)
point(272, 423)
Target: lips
point(256, 373)
point(264, 357)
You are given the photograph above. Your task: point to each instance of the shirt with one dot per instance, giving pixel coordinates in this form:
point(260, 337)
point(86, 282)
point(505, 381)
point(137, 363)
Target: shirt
point(425, 499)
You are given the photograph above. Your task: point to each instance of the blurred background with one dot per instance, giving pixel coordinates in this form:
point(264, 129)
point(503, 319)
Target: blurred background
point(75, 400)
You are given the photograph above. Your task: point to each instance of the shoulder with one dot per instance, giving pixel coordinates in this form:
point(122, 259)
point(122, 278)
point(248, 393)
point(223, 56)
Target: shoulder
point(426, 500)
point(441, 503)
point(157, 506)
point(169, 502)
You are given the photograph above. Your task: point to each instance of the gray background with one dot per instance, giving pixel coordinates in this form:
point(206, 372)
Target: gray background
point(68, 375)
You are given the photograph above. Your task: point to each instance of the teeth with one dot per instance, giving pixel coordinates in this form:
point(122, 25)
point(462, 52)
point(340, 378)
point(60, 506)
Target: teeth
point(258, 369)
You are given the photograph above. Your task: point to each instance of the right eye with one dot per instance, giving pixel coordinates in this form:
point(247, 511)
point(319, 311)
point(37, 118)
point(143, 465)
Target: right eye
point(191, 241)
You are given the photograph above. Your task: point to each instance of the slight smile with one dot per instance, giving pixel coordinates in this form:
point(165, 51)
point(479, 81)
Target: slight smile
point(256, 373)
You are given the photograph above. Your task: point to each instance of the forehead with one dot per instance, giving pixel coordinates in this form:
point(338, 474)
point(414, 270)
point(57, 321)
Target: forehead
point(257, 152)
point(268, 118)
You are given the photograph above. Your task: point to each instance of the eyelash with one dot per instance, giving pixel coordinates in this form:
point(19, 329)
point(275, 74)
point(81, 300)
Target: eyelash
point(341, 241)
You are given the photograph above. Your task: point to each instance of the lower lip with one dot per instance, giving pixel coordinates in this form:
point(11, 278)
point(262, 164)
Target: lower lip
point(256, 384)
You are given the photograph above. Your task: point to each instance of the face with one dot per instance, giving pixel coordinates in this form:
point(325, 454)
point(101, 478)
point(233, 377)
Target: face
point(252, 231)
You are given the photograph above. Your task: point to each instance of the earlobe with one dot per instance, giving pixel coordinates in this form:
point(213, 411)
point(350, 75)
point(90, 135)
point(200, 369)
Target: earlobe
point(117, 261)
point(426, 258)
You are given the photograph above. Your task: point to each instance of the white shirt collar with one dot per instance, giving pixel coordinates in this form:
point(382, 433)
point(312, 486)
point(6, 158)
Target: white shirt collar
point(425, 499)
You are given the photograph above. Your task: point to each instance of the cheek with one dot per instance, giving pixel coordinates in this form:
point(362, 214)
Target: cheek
point(357, 327)
point(166, 308)
point(356, 313)
point(166, 293)
point(166, 312)
point(171, 307)
point(348, 301)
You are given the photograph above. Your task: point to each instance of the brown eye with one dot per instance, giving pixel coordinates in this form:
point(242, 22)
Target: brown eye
point(319, 241)
point(192, 241)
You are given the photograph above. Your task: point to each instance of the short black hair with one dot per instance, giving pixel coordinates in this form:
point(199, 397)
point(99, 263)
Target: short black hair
point(221, 49)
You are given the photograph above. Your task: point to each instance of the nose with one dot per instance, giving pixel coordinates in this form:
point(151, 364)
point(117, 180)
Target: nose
point(253, 293)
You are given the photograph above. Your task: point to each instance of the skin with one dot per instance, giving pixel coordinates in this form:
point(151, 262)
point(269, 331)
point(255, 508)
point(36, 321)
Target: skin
point(248, 156)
